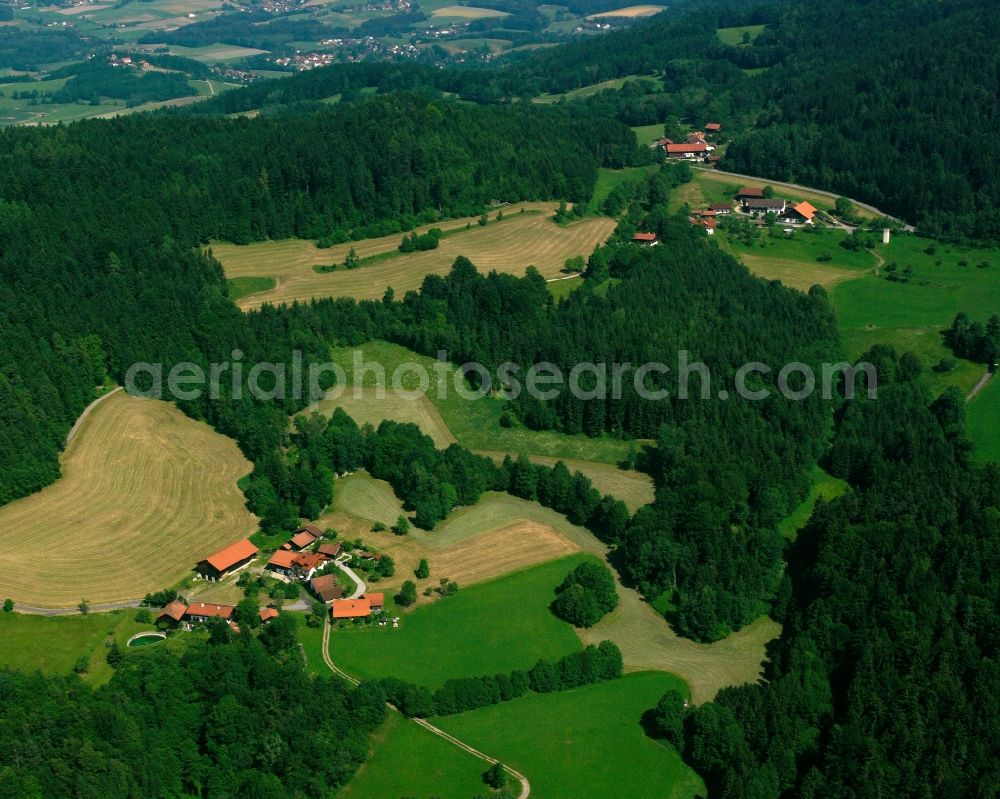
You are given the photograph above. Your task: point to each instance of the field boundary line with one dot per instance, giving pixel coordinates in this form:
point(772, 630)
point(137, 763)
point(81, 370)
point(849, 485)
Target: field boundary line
point(86, 412)
point(525, 785)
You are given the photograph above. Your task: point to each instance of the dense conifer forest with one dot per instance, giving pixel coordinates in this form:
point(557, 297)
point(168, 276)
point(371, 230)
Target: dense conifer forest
point(884, 681)
point(890, 103)
point(235, 716)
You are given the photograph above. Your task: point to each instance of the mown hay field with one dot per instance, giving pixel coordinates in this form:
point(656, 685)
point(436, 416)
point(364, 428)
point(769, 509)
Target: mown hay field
point(511, 245)
point(146, 493)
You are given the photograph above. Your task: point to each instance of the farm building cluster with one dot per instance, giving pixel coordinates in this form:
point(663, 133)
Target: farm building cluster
point(750, 202)
point(699, 145)
point(302, 559)
point(181, 614)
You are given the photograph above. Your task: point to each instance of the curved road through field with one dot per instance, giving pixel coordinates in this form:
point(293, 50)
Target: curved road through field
point(525, 785)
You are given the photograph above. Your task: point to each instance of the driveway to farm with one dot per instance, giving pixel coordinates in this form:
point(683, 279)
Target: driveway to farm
point(831, 195)
point(525, 785)
point(341, 563)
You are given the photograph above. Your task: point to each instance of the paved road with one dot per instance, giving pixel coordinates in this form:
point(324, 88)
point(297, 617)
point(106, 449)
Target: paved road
point(831, 195)
point(359, 589)
point(525, 785)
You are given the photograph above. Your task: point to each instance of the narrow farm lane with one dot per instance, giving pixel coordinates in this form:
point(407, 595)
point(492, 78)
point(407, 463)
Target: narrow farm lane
point(359, 585)
point(525, 785)
point(979, 386)
point(86, 412)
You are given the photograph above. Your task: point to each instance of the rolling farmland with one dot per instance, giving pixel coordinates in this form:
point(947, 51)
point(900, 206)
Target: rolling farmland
point(511, 245)
point(145, 493)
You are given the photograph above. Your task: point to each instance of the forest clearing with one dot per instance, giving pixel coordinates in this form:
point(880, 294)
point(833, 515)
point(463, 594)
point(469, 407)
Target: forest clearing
point(511, 245)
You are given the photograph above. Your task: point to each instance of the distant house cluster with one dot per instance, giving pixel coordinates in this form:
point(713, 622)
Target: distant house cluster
point(751, 202)
point(697, 145)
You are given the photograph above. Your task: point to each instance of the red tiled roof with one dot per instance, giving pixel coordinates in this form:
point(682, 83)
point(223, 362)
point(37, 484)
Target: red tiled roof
point(687, 148)
point(350, 608)
point(283, 559)
point(303, 539)
point(266, 614)
point(376, 600)
point(309, 560)
point(175, 610)
point(747, 191)
point(209, 610)
point(644, 237)
point(713, 126)
point(806, 210)
point(231, 555)
point(326, 587)
point(329, 550)
point(721, 207)
point(312, 529)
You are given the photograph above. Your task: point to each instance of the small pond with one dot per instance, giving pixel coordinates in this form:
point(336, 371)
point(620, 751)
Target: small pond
point(145, 639)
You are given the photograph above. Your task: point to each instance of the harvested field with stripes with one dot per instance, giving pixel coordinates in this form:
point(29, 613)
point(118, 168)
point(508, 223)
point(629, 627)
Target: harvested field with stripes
point(511, 245)
point(146, 492)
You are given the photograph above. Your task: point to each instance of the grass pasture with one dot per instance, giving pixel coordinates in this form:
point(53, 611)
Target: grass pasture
point(365, 406)
point(240, 287)
point(477, 631)
point(793, 259)
point(501, 533)
point(497, 535)
point(145, 493)
point(475, 424)
point(630, 12)
point(983, 421)
point(596, 88)
point(824, 486)
point(467, 12)
point(735, 36)
point(512, 245)
point(586, 743)
point(913, 315)
point(407, 760)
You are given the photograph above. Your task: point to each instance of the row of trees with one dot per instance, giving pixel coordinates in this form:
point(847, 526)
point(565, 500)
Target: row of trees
point(591, 665)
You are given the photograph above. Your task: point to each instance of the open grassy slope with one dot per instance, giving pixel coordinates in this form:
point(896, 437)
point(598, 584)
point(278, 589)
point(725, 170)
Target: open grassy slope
point(493, 626)
point(501, 533)
point(511, 245)
point(583, 744)
point(146, 493)
point(407, 760)
point(474, 424)
point(983, 421)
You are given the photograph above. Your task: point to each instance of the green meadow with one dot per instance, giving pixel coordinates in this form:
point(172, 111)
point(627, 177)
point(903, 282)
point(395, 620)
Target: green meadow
point(824, 486)
point(983, 421)
point(738, 35)
point(476, 423)
point(586, 743)
point(409, 761)
point(491, 627)
point(913, 315)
